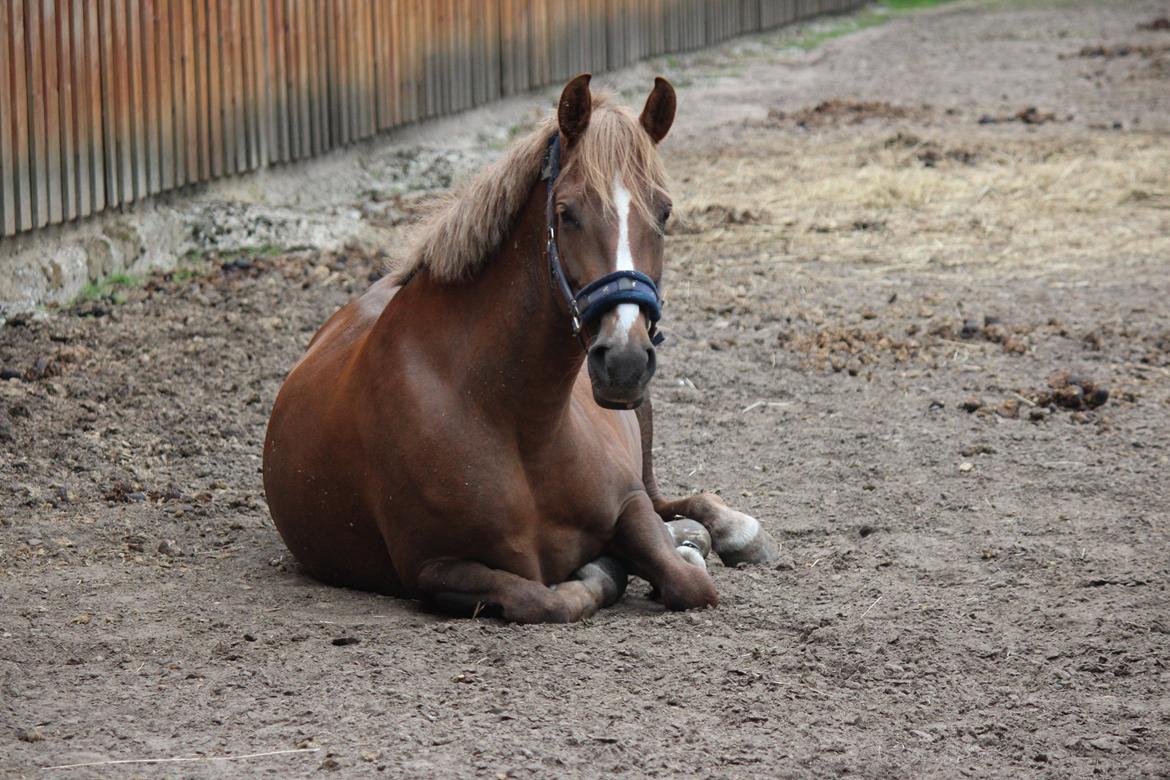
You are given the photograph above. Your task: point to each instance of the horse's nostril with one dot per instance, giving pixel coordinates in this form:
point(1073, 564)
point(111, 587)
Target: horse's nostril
point(597, 360)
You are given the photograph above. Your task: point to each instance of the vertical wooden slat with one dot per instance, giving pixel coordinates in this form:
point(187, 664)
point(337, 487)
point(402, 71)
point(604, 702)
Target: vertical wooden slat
point(247, 87)
point(137, 112)
point(507, 46)
point(187, 136)
point(360, 22)
point(334, 93)
point(215, 133)
point(117, 103)
point(349, 70)
point(320, 78)
point(8, 208)
point(164, 93)
point(66, 78)
point(20, 127)
point(382, 53)
point(369, 41)
point(263, 82)
point(304, 111)
point(148, 59)
point(228, 53)
point(38, 155)
point(278, 57)
point(239, 110)
point(52, 104)
point(237, 84)
point(95, 122)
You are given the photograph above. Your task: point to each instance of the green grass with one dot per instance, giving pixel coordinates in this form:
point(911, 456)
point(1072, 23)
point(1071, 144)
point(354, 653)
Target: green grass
point(891, 9)
point(112, 288)
point(902, 5)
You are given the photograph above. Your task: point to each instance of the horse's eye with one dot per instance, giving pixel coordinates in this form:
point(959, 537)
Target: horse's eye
point(569, 216)
point(664, 216)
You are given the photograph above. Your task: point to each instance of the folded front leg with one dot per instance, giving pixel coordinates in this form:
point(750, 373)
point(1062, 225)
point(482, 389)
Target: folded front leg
point(644, 542)
point(736, 537)
point(470, 588)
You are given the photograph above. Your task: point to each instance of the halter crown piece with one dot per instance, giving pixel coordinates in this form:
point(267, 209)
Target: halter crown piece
point(606, 292)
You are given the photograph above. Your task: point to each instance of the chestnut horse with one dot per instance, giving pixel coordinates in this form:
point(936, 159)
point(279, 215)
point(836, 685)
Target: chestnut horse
point(463, 433)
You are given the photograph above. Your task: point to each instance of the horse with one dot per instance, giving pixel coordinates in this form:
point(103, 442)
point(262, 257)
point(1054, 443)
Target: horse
point(474, 431)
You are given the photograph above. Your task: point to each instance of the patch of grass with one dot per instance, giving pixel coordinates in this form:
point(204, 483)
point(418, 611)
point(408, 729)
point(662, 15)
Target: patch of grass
point(112, 288)
point(899, 5)
point(260, 250)
point(861, 21)
point(889, 9)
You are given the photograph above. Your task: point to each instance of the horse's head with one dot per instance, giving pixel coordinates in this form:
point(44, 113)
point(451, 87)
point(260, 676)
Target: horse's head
point(608, 211)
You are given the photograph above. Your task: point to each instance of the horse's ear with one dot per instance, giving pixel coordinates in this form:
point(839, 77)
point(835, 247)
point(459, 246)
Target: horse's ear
point(658, 115)
point(575, 108)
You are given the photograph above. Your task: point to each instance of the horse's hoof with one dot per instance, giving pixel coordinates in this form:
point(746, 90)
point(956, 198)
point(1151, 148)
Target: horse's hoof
point(745, 542)
point(687, 530)
point(608, 575)
point(692, 555)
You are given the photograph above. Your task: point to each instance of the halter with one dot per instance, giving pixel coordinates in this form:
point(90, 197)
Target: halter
point(604, 293)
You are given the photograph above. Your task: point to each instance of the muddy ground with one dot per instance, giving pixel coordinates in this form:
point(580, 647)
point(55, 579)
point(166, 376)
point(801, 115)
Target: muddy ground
point(886, 263)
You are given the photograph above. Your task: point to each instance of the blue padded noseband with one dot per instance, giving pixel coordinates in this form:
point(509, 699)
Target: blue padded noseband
point(603, 294)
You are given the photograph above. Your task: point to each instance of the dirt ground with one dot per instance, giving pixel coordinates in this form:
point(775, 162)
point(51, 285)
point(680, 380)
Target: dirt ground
point(887, 268)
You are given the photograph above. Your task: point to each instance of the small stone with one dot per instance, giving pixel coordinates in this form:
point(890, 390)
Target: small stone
point(30, 734)
point(1014, 345)
point(1009, 409)
point(966, 467)
point(1107, 743)
point(784, 563)
point(370, 755)
point(1097, 397)
point(137, 496)
point(169, 548)
point(972, 405)
point(345, 641)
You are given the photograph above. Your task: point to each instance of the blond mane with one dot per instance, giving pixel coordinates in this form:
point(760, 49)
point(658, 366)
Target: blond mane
point(459, 237)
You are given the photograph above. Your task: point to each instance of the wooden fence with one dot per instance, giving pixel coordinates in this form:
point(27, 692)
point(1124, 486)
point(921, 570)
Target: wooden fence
point(105, 102)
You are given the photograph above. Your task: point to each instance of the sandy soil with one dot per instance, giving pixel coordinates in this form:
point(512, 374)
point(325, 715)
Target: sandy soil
point(870, 301)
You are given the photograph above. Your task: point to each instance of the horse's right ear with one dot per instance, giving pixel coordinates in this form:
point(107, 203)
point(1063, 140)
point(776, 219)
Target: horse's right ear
point(575, 108)
point(658, 115)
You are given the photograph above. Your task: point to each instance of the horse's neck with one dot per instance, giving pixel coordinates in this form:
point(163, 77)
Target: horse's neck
point(507, 338)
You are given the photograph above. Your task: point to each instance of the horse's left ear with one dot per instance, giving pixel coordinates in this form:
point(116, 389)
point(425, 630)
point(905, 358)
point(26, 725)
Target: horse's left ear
point(658, 115)
point(575, 108)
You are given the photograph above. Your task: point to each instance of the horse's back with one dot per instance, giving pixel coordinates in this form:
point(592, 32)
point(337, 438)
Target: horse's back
point(355, 319)
point(304, 443)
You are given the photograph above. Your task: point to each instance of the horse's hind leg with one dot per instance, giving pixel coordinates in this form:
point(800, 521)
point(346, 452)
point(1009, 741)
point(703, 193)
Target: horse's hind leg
point(470, 588)
point(735, 536)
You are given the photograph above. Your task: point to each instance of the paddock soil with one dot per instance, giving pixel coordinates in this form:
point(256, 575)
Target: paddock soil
point(885, 264)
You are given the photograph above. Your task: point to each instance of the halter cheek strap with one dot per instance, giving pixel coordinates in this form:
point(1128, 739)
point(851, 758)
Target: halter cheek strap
point(603, 294)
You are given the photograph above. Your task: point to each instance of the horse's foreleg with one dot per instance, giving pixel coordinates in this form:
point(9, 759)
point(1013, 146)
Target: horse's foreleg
point(471, 588)
point(736, 537)
point(679, 574)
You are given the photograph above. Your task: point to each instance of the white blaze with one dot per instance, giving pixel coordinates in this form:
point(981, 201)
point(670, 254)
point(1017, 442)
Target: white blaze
point(627, 313)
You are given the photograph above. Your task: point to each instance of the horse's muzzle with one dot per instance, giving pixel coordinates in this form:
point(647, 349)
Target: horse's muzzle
point(620, 375)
